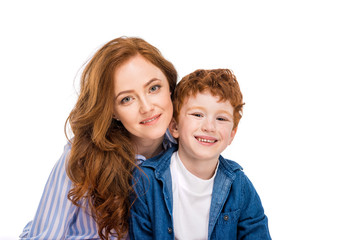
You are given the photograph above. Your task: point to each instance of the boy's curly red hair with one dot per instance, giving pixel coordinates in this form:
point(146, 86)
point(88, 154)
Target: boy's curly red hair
point(219, 82)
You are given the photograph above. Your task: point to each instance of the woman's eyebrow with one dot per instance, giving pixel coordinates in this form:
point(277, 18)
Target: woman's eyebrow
point(145, 85)
point(123, 92)
point(151, 81)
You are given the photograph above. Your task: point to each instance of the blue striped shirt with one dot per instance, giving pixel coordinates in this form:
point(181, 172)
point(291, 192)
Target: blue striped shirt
point(56, 216)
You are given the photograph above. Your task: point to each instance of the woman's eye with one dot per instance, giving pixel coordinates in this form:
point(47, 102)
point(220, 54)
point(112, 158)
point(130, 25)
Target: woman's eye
point(155, 88)
point(125, 100)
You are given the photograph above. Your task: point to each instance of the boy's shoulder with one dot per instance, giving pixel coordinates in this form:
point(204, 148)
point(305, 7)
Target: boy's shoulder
point(231, 169)
point(160, 162)
point(229, 165)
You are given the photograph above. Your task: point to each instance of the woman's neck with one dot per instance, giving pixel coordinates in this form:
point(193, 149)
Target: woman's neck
point(148, 147)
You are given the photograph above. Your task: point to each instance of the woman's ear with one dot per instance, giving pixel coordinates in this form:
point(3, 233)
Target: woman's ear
point(114, 117)
point(173, 128)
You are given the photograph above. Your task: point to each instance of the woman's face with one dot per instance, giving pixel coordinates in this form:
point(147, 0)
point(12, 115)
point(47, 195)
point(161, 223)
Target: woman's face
point(142, 98)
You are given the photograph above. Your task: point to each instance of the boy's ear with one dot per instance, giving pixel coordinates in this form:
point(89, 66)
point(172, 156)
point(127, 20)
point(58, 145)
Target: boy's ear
point(173, 128)
point(232, 135)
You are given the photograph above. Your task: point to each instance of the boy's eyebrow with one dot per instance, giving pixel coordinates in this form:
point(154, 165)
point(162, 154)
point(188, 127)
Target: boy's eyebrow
point(145, 85)
point(195, 108)
point(202, 108)
point(226, 112)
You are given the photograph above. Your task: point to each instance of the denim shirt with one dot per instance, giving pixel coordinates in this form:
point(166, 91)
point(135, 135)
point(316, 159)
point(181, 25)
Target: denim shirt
point(236, 211)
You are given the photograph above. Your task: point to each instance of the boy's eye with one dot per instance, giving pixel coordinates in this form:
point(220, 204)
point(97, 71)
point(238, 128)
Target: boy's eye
point(222, 118)
point(154, 88)
point(197, 115)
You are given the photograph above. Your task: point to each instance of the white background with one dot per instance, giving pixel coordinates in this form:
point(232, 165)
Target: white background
point(297, 62)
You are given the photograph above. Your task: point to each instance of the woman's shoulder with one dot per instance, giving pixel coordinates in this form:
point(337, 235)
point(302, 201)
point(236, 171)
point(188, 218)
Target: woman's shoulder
point(64, 156)
point(58, 174)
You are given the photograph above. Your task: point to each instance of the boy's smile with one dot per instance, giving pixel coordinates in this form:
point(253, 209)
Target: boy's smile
point(204, 128)
point(206, 139)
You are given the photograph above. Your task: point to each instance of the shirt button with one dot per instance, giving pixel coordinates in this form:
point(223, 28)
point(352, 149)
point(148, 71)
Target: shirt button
point(170, 230)
point(226, 217)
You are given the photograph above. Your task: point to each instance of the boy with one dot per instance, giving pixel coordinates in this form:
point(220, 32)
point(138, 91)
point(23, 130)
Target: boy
point(194, 193)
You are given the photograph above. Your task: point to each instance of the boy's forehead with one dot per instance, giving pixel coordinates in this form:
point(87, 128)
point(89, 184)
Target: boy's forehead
point(202, 96)
point(196, 95)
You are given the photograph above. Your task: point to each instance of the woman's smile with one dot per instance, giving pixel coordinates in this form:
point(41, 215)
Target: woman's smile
point(142, 99)
point(152, 120)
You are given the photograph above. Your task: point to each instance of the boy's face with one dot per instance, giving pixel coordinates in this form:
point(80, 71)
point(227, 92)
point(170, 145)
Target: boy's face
point(204, 127)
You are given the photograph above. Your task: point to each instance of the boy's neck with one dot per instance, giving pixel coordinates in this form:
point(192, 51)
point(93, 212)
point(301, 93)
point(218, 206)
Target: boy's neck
point(201, 168)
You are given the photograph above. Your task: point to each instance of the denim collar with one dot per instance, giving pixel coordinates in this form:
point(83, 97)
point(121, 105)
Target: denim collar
point(161, 163)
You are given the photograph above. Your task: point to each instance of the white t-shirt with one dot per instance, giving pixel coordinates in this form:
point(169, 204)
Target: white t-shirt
point(191, 202)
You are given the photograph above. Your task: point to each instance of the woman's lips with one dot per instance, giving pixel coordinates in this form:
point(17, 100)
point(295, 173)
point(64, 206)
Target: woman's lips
point(151, 120)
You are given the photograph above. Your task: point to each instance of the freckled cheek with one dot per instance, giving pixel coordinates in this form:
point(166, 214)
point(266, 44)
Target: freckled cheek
point(170, 108)
point(168, 103)
point(126, 114)
point(227, 132)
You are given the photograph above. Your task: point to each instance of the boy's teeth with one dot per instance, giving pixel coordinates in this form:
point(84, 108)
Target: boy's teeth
point(206, 140)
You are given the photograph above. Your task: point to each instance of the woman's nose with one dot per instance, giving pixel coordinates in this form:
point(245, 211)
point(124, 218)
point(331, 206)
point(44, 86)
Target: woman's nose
point(145, 106)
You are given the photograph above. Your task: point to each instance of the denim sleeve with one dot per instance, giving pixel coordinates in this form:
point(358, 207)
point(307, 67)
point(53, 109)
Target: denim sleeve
point(140, 220)
point(253, 223)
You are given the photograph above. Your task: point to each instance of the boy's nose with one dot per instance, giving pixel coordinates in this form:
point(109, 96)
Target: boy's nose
point(208, 125)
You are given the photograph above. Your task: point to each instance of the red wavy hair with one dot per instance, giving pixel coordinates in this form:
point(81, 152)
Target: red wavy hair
point(102, 157)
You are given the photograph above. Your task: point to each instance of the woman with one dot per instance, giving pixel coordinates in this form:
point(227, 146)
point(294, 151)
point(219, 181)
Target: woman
point(122, 114)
